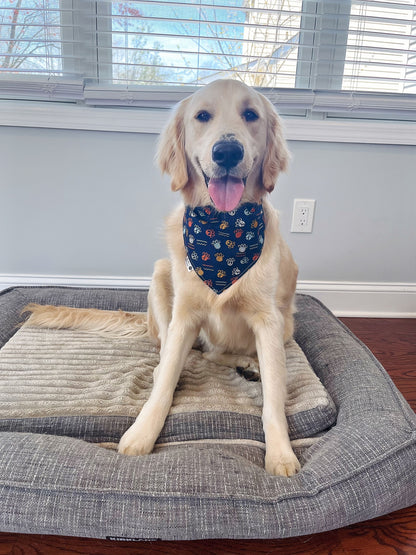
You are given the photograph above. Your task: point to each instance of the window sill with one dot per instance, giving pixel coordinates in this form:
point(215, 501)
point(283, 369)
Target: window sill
point(133, 120)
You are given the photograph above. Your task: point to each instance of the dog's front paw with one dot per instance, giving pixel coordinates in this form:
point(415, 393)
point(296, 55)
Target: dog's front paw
point(282, 465)
point(133, 442)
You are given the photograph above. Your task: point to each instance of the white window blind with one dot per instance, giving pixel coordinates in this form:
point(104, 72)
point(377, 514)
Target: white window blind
point(332, 57)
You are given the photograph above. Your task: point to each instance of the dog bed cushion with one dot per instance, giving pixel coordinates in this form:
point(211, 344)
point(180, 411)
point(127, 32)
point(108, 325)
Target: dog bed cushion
point(75, 383)
point(360, 468)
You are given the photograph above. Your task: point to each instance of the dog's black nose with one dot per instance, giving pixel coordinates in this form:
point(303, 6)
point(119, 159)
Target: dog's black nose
point(227, 153)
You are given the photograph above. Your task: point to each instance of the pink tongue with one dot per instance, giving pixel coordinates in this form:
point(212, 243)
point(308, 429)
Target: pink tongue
point(226, 193)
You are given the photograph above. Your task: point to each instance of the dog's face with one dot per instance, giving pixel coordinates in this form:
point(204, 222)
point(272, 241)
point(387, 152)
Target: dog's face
point(223, 146)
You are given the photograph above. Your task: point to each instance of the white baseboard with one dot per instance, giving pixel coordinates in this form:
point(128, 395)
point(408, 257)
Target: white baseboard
point(119, 282)
point(362, 299)
point(357, 299)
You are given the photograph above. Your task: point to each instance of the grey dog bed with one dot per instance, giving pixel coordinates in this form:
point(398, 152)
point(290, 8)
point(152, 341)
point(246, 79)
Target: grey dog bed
point(205, 478)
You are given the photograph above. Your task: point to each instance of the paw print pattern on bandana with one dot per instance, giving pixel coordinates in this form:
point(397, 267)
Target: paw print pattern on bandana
point(222, 246)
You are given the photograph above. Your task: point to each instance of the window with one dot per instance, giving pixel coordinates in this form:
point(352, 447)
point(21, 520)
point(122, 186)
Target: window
point(323, 57)
point(181, 42)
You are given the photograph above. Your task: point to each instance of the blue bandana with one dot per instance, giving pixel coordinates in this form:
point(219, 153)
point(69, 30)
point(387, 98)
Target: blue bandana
point(222, 246)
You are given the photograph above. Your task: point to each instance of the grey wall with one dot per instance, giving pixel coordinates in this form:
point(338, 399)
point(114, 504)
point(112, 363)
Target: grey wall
point(364, 229)
point(92, 203)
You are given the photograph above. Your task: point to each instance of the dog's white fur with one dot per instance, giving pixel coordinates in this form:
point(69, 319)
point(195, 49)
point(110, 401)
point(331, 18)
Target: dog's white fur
point(252, 317)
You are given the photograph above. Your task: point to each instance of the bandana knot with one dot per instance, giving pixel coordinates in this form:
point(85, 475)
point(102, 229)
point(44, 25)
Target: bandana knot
point(222, 246)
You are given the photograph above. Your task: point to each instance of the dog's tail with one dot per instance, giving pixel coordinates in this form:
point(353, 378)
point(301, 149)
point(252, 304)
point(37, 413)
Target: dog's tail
point(113, 323)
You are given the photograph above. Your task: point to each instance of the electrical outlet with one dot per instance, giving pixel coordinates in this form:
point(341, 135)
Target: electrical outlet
point(303, 212)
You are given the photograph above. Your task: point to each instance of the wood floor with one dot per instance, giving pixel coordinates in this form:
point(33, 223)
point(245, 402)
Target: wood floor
point(393, 341)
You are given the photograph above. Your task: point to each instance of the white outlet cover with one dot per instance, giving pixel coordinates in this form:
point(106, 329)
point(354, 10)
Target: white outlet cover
point(302, 217)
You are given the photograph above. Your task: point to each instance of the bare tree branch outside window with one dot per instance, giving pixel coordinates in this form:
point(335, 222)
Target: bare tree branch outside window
point(30, 36)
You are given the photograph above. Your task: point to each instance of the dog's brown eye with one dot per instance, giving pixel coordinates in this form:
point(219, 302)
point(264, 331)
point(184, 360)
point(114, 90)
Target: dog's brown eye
point(250, 115)
point(203, 116)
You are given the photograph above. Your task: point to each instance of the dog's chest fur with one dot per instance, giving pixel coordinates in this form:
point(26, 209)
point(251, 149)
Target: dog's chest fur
point(225, 330)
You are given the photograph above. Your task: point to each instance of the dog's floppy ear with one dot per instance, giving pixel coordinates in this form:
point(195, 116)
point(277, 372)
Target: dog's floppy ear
point(277, 154)
point(171, 149)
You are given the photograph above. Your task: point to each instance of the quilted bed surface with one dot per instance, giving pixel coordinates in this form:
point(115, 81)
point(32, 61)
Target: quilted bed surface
point(79, 383)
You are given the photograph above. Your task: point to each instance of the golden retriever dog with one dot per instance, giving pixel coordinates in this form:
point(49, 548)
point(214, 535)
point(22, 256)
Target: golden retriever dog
point(223, 149)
